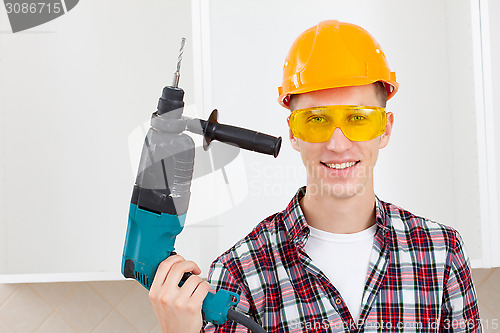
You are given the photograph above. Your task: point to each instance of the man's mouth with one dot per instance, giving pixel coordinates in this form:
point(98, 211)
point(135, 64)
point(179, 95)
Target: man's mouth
point(340, 166)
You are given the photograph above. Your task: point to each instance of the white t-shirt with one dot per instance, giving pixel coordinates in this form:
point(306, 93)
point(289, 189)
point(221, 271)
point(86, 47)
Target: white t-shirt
point(344, 259)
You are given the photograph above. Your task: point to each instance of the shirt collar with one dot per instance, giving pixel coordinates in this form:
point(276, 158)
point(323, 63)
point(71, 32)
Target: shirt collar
point(296, 225)
point(382, 218)
point(295, 222)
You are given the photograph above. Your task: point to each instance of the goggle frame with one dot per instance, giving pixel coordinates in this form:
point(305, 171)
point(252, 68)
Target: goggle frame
point(357, 122)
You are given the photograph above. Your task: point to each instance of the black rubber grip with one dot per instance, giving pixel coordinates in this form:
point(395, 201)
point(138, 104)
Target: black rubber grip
point(242, 137)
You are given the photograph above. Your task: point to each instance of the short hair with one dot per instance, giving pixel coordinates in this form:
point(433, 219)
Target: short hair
point(380, 91)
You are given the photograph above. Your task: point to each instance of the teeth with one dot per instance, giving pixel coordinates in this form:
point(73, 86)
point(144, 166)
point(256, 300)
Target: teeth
point(340, 166)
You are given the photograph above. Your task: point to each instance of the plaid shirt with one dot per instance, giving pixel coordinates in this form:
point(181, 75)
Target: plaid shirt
point(418, 278)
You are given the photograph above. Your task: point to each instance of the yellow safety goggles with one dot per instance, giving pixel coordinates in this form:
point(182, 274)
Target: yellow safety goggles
point(358, 123)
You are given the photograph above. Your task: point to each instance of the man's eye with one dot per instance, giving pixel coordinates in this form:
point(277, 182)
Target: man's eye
point(317, 119)
point(357, 118)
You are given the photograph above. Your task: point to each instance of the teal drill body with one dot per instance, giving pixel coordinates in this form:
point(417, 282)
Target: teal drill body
point(150, 239)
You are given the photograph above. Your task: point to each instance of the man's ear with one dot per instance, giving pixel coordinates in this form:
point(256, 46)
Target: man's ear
point(293, 139)
point(384, 138)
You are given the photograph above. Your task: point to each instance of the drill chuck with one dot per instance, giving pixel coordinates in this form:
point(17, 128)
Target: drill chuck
point(172, 98)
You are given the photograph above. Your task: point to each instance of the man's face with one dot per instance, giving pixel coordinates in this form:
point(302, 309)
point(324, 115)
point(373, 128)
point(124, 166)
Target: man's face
point(355, 159)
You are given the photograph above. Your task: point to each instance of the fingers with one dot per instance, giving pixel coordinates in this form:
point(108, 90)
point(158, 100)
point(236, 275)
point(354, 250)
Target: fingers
point(201, 291)
point(191, 295)
point(194, 286)
point(163, 270)
point(177, 270)
point(178, 308)
point(169, 274)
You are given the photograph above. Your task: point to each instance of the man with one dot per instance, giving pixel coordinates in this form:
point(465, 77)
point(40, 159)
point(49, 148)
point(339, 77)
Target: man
point(337, 259)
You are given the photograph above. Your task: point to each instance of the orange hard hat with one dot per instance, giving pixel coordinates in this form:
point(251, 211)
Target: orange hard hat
point(334, 54)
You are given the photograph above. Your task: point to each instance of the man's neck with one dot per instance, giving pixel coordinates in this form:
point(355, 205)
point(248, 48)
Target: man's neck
point(339, 215)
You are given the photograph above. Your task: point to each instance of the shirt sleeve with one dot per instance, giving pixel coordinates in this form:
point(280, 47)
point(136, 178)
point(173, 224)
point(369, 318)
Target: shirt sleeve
point(459, 309)
point(219, 277)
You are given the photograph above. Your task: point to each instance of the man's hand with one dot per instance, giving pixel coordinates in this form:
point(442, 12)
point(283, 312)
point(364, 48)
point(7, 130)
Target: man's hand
point(178, 309)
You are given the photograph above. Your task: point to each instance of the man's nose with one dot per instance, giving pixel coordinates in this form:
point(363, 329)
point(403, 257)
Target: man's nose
point(338, 142)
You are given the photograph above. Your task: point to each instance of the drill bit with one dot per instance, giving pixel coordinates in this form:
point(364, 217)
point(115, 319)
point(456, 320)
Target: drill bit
point(177, 73)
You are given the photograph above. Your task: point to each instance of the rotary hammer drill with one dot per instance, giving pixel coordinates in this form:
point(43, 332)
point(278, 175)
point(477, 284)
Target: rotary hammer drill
point(161, 192)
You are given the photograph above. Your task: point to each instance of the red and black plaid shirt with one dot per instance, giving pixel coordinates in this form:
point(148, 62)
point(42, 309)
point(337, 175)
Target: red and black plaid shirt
point(418, 278)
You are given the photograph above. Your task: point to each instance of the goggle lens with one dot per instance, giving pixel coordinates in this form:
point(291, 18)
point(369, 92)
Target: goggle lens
point(358, 123)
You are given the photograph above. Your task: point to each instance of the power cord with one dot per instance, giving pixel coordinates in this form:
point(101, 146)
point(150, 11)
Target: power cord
point(240, 318)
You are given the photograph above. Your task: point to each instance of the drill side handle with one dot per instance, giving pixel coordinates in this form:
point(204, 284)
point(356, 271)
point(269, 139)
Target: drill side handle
point(242, 137)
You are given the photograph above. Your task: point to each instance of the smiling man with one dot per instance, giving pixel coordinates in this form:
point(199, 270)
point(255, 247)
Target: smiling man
point(337, 259)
